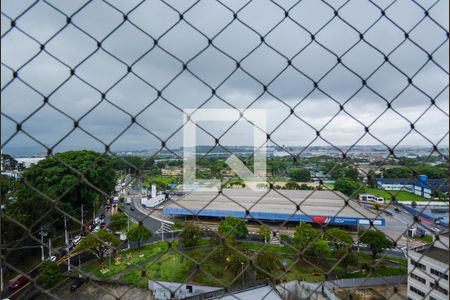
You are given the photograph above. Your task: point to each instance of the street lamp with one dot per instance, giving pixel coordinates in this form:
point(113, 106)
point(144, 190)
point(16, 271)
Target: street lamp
point(242, 273)
point(42, 233)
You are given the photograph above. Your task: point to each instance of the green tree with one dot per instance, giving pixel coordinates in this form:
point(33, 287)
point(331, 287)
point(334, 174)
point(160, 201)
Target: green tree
point(119, 221)
point(98, 243)
point(339, 237)
point(264, 232)
point(7, 185)
point(57, 177)
point(297, 174)
point(398, 172)
point(321, 248)
point(50, 273)
point(233, 228)
point(344, 171)
point(371, 175)
point(234, 260)
point(292, 185)
point(432, 172)
point(347, 257)
point(305, 187)
point(348, 186)
point(139, 233)
point(266, 261)
point(304, 235)
point(132, 163)
point(191, 235)
point(376, 241)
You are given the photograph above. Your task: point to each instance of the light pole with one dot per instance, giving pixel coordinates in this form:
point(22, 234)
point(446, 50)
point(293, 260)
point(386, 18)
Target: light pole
point(66, 238)
point(128, 230)
point(82, 217)
point(42, 233)
point(242, 273)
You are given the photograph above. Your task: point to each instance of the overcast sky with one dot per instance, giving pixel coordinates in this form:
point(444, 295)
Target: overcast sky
point(261, 63)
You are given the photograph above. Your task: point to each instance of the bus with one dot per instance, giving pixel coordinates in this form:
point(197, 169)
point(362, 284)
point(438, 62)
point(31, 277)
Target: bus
point(366, 198)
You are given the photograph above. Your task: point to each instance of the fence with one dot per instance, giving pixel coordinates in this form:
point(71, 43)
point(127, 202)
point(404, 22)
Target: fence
point(344, 78)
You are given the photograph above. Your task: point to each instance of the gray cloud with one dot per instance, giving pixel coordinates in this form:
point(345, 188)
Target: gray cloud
point(216, 62)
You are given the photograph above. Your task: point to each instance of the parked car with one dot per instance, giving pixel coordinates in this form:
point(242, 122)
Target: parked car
point(19, 282)
point(77, 283)
point(76, 240)
point(52, 258)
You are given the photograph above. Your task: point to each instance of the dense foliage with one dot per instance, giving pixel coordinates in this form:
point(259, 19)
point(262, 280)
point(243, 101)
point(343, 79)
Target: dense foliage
point(376, 241)
point(348, 187)
point(232, 227)
point(190, 235)
point(99, 243)
point(66, 180)
point(119, 221)
point(138, 233)
point(297, 174)
point(50, 273)
point(265, 233)
point(432, 172)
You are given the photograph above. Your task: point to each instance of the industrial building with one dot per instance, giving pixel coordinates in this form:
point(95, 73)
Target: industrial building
point(428, 270)
point(275, 205)
point(422, 186)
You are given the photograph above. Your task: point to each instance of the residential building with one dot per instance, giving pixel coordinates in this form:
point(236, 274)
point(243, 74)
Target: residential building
point(428, 270)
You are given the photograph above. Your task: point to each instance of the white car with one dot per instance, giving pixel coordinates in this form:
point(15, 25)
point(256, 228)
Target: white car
point(52, 258)
point(76, 240)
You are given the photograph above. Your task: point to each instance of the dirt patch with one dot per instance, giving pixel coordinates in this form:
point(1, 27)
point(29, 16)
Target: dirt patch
point(373, 293)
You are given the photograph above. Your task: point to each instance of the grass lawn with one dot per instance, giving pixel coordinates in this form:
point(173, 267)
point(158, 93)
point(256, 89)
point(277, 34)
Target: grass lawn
point(124, 260)
point(399, 195)
point(135, 278)
point(270, 248)
point(329, 186)
point(212, 270)
point(365, 258)
point(163, 180)
point(379, 271)
point(401, 261)
point(301, 271)
point(175, 267)
point(170, 267)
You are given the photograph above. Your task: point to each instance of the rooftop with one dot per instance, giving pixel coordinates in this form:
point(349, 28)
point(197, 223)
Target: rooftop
point(436, 254)
point(321, 206)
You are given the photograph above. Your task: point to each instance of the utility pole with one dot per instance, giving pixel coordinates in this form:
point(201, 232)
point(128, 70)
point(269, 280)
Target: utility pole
point(66, 238)
point(49, 247)
point(42, 233)
point(82, 217)
point(357, 232)
point(1, 274)
point(128, 230)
